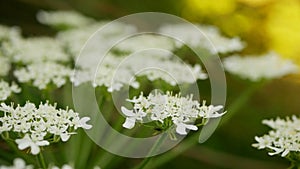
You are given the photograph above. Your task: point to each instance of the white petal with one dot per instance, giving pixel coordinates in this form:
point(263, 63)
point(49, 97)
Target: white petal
point(35, 149)
point(180, 129)
point(191, 127)
point(83, 123)
point(285, 153)
point(129, 123)
point(127, 112)
point(43, 143)
point(64, 137)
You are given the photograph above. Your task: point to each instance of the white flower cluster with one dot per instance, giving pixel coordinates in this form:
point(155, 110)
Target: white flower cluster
point(5, 65)
point(207, 37)
point(255, 68)
point(17, 164)
point(165, 108)
point(38, 126)
point(8, 37)
point(68, 19)
point(42, 74)
point(146, 41)
point(38, 49)
point(283, 138)
point(6, 90)
point(116, 71)
point(74, 39)
point(20, 164)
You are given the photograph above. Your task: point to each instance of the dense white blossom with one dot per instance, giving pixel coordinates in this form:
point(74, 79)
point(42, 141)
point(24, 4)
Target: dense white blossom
point(38, 126)
point(9, 33)
point(164, 108)
point(116, 71)
point(283, 138)
point(146, 41)
point(5, 65)
point(75, 39)
point(38, 49)
point(9, 37)
point(64, 19)
point(6, 90)
point(17, 164)
point(20, 164)
point(42, 74)
point(208, 37)
point(255, 68)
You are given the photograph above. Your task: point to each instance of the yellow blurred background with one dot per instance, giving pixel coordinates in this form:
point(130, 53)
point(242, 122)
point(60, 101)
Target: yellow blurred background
point(264, 24)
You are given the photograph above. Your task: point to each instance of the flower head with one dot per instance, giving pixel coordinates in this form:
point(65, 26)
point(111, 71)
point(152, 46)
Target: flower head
point(283, 138)
point(35, 123)
point(207, 37)
point(6, 90)
point(268, 66)
point(42, 74)
point(165, 108)
point(63, 19)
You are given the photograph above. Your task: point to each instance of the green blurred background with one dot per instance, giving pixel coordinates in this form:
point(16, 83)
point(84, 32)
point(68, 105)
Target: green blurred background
point(263, 24)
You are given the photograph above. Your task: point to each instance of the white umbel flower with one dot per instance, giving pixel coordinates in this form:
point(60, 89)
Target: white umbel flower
point(34, 123)
point(64, 19)
point(255, 68)
point(39, 49)
point(74, 40)
point(6, 90)
point(42, 74)
point(146, 41)
point(283, 138)
point(207, 37)
point(165, 108)
point(17, 164)
point(5, 65)
point(117, 71)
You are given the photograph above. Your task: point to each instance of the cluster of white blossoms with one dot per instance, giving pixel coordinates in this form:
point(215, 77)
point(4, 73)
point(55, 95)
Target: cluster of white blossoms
point(19, 163)
point(74, 39)
point(38, 49)
point(255, 68)
point(283, 138)
point(145, 41)
point(114, 71)
point(5, 65)
point(42, 74)
point(167, 110)
point(68, 19)
point(208, 37)
point(6, 90)
point(38, 126)
point(8, 37)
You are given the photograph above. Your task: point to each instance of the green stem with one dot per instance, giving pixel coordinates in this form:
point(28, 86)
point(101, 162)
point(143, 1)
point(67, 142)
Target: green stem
point(152, 150)
point(41, 160)
point(241, 100)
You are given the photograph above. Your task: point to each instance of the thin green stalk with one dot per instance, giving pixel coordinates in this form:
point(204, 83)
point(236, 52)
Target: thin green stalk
point(157, 144)
point(41, 161)
point(241, 100)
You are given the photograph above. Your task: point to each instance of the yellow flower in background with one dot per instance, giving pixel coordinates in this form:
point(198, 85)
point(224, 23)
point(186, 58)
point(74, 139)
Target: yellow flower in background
point(208, 7)
point(283, 28)
point(256, 3)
